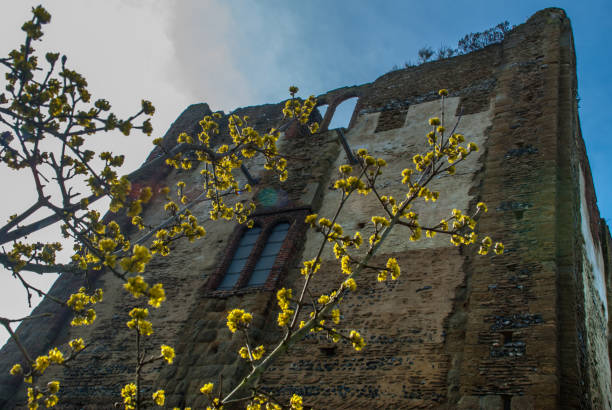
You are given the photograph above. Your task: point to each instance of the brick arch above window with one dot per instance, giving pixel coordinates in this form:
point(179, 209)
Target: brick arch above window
point(268, 246)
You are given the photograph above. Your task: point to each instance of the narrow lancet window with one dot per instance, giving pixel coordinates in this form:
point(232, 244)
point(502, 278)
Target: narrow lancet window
point(268, 255)
point(240, 258)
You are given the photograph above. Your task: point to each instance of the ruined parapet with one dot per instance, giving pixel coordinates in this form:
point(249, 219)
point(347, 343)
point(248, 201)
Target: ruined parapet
point(526, 330)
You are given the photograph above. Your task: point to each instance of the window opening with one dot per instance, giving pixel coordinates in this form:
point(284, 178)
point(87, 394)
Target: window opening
point(323, 109)
point(268, 255)
point(343, 113)
point(507, 401)
point(245, 246)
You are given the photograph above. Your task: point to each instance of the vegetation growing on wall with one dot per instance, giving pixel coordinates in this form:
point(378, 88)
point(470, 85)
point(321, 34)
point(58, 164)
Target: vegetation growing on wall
point(470, 42)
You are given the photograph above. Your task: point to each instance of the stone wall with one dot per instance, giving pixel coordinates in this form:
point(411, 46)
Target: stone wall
point(526, 330)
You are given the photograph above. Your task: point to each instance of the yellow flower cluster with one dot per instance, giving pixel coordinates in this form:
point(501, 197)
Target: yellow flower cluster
point(48, 397)
point(128, 393)
point(392, 267)
point(216, 405)
point(301, 111)
point(139, 322)
point(351, 184)
point(56, 356)
point(323, 299)
point(256, 353)
point(119, 190)
point(40, 365)
point(310, 267)
point(296, 402)
point(380, 222)
point(283, 297)
point(345, 265)
point(434, 121)
point(428, 195)
point(421, 163)
point(20, 250)
point(454, 151)
point(261, 402)
point(486, 245)
point(187, 226)
point(16, 369)
point(207, 388)
point(137, 287)
point(406, 174)
point(311, 220)
point(238, 319)
point(335, 315)
point(159, 397)
point(79, 301)
point(350, 284)
point(138, 261)
point(357, 340)
point(108, 241)
point(221, 164)
point(77, 344)
point(167, 353)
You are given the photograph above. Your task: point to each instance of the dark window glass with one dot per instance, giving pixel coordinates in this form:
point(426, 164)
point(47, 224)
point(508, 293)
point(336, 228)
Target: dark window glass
point(268, 255)
point(239, 259)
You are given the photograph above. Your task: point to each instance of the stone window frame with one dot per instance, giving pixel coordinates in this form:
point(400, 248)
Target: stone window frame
point(266, 221)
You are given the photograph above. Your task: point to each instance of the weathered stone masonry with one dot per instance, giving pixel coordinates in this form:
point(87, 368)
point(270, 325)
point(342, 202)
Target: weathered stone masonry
point(529, 330)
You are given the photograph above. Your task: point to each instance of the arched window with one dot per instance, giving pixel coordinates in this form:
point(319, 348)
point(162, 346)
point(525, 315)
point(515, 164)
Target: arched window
point(268, 255)
point(343, 113)
point(243, 251)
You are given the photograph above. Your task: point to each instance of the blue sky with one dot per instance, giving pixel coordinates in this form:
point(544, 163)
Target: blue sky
point(237, 53)
point(322, 45)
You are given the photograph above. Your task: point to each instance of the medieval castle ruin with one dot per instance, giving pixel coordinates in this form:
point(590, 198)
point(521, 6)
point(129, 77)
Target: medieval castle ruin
point(527, 330)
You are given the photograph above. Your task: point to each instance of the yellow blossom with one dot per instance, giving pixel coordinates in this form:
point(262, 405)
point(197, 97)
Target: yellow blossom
point(128, 393)
point(16, 369)
point(41, 364)
point(346, 169)
point(167, 353)
point(350, 284)
point(357, 340)
point(56, 356)
point(77, 344)
point(335, 316)
point(156, 295)
point(393, 267)
point(345, 264)
point(434, 121)
point(53, 386)
point(238, 318)
point(136, 286)
point(296, 402)
point(51, 400)
point(207, 388)
point(284, 317)
point(498, 248)
point(159, 397)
